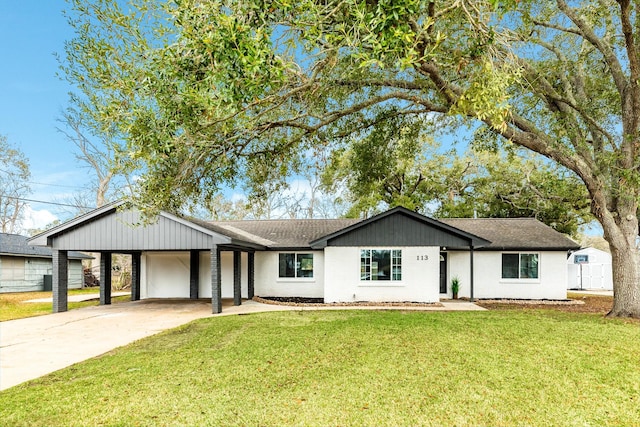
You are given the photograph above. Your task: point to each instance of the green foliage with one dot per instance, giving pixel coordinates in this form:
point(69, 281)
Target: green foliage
point(455, 285)
point(513, 185)
point(396, 164)
point(209, 93)
point(393, 164)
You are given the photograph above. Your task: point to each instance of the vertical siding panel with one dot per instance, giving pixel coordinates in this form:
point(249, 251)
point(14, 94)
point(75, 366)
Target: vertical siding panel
point(115, 233)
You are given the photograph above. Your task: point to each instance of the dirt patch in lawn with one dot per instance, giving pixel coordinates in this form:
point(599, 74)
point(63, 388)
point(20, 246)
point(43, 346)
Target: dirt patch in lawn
point(582, 304)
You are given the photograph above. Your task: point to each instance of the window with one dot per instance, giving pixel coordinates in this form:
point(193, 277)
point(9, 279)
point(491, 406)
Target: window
point(519, 266)
point(295, 265)
point(380, 264)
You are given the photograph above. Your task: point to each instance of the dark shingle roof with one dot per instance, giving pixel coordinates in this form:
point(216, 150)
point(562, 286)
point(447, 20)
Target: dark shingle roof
point(14, 244)
point(285, 233)
point(514, 233)
point(503, 233)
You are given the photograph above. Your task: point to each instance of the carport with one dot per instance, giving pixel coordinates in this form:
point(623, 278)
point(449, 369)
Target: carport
point(110, 230)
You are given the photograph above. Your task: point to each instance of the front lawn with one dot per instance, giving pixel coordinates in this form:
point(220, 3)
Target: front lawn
point(507, 367)
point(13, 305)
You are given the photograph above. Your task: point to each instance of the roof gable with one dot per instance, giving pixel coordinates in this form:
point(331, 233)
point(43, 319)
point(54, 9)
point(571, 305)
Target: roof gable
point(109, 229)
point(400, 227)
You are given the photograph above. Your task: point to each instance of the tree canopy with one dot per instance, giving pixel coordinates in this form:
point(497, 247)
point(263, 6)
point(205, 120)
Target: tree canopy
point(204, 92)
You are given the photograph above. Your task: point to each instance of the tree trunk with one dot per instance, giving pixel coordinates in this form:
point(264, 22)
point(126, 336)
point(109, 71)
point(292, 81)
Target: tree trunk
point(625, 259)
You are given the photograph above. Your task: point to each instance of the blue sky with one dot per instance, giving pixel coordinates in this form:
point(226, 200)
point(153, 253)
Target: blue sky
point(32, 97)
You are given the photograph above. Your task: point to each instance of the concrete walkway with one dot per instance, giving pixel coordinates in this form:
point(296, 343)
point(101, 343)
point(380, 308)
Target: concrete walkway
point(36, 346)
point(80, 297)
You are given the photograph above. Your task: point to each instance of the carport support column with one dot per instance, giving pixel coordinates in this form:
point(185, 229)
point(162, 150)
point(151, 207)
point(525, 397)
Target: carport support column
point(471, 268)
point(194, 274)
point(60, 280)
point(216, 289)
point(105, 278)
point(250, 274)
point(135, 276)
point(237, 288)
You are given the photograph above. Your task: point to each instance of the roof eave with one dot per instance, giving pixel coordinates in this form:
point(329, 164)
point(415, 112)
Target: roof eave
point(530, 248)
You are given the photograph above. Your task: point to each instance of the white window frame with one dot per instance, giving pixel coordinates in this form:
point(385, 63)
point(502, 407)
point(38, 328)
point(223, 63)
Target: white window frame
point(392, 266)
point(520, 279)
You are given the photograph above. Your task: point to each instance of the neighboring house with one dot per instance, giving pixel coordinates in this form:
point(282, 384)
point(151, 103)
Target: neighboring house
point(23, 267)
point(398, 255)
point(590, 268)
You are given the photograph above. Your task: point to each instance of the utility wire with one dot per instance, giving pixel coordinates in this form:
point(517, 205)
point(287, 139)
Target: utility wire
point(56, 185)
point(47, 203)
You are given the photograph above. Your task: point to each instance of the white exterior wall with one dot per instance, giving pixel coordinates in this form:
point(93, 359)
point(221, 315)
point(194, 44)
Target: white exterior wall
point(164, 275)
point(226, 273)
point(167, 275)
point(420, 276)
point(488, 283)
point(268, 284)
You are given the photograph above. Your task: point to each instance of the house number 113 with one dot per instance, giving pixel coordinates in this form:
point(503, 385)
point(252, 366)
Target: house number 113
point(423, 257)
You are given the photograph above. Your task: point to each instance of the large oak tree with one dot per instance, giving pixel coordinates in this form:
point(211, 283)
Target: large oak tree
point(206, 91)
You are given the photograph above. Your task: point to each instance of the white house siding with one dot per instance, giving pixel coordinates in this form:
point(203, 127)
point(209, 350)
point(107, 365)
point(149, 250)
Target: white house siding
point(420, 276)
point(268, 284)
point(164, 275)
point(488, 281)
point(226, 262)
point(167, 275)
point(26, 274)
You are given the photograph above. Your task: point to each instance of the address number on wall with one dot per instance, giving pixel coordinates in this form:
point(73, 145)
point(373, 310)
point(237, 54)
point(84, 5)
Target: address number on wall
point(423, 257)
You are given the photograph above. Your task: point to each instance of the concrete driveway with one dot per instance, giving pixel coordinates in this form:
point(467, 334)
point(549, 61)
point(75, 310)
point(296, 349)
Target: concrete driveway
point(36, 346)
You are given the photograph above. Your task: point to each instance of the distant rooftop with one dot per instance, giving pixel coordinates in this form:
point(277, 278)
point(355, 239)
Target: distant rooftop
point(14, 244)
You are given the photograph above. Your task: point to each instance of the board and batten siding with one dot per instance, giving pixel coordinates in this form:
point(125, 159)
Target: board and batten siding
point(117, 232)
point(398, 230)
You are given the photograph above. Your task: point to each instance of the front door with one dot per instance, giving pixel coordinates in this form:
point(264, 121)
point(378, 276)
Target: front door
point(443, 272)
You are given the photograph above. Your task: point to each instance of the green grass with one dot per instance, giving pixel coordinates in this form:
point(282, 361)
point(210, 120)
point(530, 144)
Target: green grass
point(13, 305)
point(353, 368)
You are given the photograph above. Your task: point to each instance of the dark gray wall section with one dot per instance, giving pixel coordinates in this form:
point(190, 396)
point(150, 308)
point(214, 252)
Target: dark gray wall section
point(60, 281)
point(398, 230)
point(116, 232)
